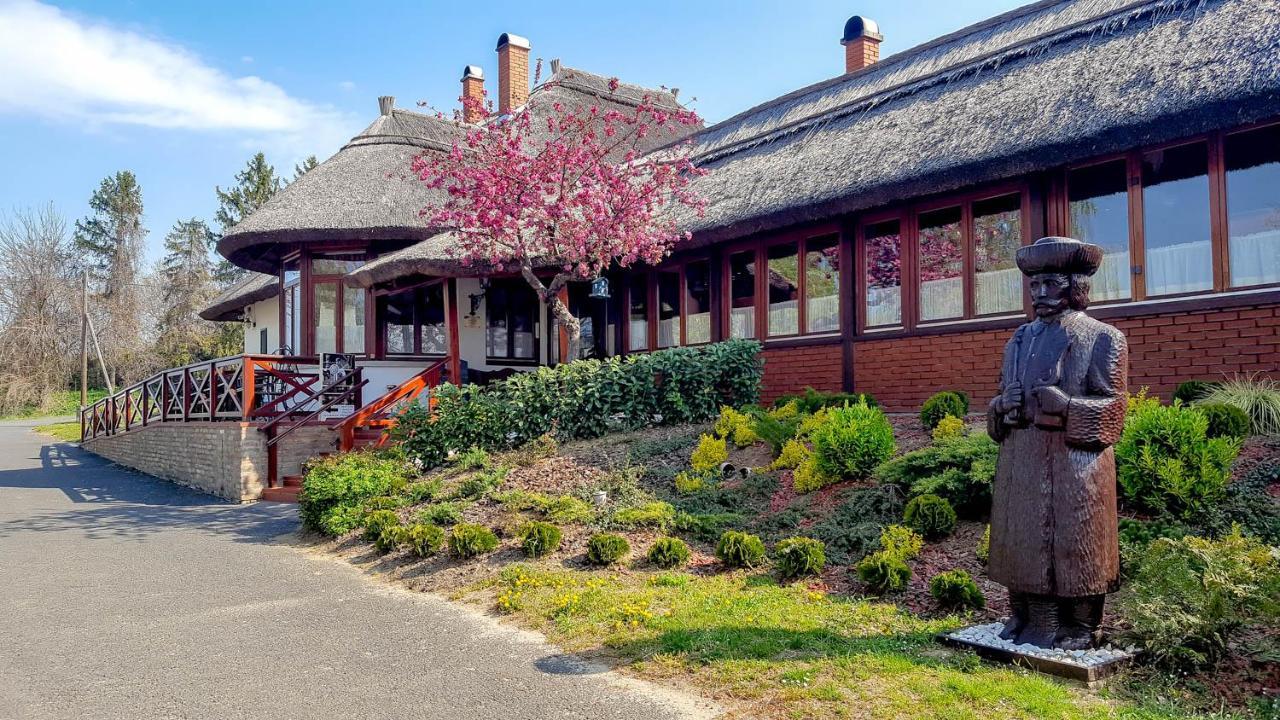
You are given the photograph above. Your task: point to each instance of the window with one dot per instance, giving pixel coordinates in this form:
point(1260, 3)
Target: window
point(882, 249)
point(291, 308)
point(1098, 212)
point(697, 278)
point(413, 322)
point(352, 320)
point(262, 341)
point(997, 235)
point(638, 312)
point(1176, 224)
point(1253, 206)
point(668, 309)
point(325, 314)
point(742, 294)
point(822, 284)
point(941, 265)
point(512, 309)
point(783, 287)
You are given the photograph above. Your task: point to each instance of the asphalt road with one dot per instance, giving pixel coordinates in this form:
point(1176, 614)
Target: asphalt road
point(124, 596)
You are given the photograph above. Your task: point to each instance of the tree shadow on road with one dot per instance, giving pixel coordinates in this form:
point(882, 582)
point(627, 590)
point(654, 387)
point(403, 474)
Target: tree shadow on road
point(110, 501)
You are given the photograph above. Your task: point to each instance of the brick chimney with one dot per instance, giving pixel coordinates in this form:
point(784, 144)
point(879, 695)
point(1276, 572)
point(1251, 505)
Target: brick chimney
point(473, 89)
point(513, 72)
point(861, 43)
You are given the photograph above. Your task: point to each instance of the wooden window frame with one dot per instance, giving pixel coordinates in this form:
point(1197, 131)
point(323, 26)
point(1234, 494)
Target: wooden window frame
point(537, 318)
point(760, 247)
point(306, 312)
point(1223, 208)
point(415, 289)
point(906, 264)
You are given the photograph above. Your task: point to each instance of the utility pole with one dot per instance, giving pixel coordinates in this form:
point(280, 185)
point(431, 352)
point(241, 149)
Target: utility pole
point(84, 338)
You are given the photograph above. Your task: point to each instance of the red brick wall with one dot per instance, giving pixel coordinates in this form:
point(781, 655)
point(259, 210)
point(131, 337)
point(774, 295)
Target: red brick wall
point(1164, 350)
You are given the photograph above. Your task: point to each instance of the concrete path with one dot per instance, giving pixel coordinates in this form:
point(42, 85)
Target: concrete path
point(123, 596)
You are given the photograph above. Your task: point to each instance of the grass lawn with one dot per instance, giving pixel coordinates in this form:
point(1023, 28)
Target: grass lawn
point(66, 432)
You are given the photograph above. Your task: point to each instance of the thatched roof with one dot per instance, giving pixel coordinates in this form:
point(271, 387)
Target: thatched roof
point(250, 289)
point(364, 192)
point(571, 88)
point(1046, 84)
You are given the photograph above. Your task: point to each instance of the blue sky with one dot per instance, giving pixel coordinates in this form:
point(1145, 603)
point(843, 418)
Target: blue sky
point(182, 93)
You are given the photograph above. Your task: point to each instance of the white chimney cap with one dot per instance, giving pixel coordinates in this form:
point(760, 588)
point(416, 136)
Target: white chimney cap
point(513, 40)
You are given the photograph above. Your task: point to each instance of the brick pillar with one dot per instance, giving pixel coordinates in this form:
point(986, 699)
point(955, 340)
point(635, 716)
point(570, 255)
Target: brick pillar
point(473, 109)
point(513, 72)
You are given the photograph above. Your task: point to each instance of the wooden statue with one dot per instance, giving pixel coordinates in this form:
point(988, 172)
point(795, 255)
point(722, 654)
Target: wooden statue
point(1063, 391)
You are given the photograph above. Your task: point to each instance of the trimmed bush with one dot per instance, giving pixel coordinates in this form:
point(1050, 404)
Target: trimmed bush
point(983, 550)
point(884, 572)
point(807, 477)
point(390, 537)
point(960, 470)
point(376, 520)
point(569, 510)
point(931, 516)
point(811, 401)
point(800, 556)
point(1190, 391)
point(423, 539)
point(539, 538)
point(341, 519)
point(668, 552)
point(949, 428)
point(940, 405)
point(853, 441)
point(348, 479)
point(443, 514)
point(1167, 463)
point(1225, 420)
point(901, 541)
point(482, 483)
point(1191, 596)
point(655, 514)
point(690, 481)
point(583, 399)
point(711, 451)
point(607, 548)
point(736, 426)
point(740, 550)
point(956, 589)
point(468, 540)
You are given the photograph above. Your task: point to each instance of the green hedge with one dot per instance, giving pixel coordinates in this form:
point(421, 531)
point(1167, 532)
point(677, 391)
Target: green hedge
point(585, 399)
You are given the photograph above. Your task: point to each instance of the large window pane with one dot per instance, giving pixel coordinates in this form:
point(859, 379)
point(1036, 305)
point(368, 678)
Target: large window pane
point(742, 294)
point(784, 290)
point(997, 235)
point(335, 265)
point(638, 313)
point(697, 276)
point(524, 324)
point(882, 245)
point(512, 310)
point(398, 322)
point(1099, 214)
point(497, 340)
point(352, 320)
point(326, 317)
point(1253, 206)
point(822, 284)
point(941, 265)
point(430, 313)
point(668, 309)
point(1175, 209)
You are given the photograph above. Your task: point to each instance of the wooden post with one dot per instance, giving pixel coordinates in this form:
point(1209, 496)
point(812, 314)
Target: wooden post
point(849, 303)
point(451, 328)
point(84, 339)
point(213, 391)
point(248, 383)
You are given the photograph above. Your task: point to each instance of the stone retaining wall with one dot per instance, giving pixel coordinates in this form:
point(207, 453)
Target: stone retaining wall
point(227, 459)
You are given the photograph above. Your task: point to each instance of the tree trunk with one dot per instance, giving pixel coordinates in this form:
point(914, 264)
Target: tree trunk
point(550, 296)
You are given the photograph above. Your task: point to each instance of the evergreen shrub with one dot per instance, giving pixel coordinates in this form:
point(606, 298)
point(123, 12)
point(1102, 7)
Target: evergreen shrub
point(956, 589)
point(940, 405)
point(539, 538)
point(853, 441)
point(884, 572)
point(468, 540)
point(799, 556)
point(1167, 463)
point(668, 552)
point(930, 515)
point(607, 548)
point(739, 549)
point(348, 479)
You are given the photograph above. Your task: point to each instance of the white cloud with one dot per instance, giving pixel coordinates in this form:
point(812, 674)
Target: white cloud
point(65, 67)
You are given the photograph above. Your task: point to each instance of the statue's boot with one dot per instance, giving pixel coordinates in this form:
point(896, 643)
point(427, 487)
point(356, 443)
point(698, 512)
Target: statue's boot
point(1081, 620)
point(1041, 629)
point(1017, 616)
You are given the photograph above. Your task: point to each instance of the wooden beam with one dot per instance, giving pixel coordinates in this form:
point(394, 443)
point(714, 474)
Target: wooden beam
point(451, 330)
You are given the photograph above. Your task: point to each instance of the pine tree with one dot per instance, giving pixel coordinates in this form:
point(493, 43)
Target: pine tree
point(304, 167)
point(254, 187)
point(188, 286)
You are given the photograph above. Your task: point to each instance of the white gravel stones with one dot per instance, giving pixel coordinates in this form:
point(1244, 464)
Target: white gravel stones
point(989, 636)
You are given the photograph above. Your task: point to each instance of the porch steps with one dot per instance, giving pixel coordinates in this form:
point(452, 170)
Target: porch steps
point(287, 493)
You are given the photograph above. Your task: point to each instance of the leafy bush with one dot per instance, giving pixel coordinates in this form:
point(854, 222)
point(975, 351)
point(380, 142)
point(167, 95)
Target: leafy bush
point(884, 572)
point(739, 549)
point(983, 551)
point(960, 470)
point(539, 538)
point(706, 526)
point(777, 432)
point(482, 483)
point(1191, 595)
point(809, 424)
point(383, 502)
point(949, 428)
point(853, 441)
point(668, 552)
point(1225, 420)
point(442, 514)
point(655, 514)
point(607, 548)
point(811, 401)
point(376, 520)
point(569, 510)
point(1257, 396)
point(956, 589)
point(390, 537)
point(800, 556)
point(690, 481)
point(901, 541)
point(710, 453)
point(1190, 391)
point(341, 519)
point(736, 426)
point(1137, 535)
point(423, 492)
point(940, 405)
point(1165, 461)
point(792, 455)
point(348, 479)
point(472, 458)
point(423, 539)
point(930, 515)
point(584, 399)
point(467, 540)
point(807, 477)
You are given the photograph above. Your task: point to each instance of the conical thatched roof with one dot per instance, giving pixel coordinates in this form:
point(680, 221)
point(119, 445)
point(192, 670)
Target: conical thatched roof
point(1044, 85)
point(250, 289)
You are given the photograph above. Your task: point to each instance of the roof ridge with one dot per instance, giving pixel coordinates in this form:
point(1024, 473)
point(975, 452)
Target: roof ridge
point(1135, 9)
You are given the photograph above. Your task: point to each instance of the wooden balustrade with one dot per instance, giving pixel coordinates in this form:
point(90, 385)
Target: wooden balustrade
point(380, 412)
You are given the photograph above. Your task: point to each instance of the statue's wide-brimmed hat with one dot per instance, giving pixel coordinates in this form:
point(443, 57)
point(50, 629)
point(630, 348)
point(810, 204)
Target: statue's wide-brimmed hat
point(1059, 255)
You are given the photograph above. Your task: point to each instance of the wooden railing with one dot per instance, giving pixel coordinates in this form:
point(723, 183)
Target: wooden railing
point(381, 412)
point(241, 387)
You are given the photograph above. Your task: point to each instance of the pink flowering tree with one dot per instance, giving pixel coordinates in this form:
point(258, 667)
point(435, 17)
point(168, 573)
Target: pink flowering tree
point(561, 194)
